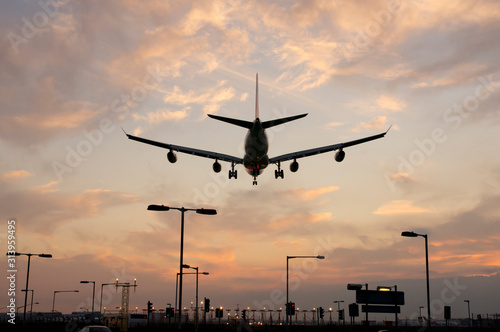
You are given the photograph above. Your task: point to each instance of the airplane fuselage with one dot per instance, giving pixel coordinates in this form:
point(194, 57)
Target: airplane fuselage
point(256, 147)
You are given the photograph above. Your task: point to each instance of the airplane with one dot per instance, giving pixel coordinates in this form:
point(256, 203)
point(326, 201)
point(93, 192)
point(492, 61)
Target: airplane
point(256, 159)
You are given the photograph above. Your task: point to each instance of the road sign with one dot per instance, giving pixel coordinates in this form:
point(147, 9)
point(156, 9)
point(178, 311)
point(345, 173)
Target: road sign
point(388, 309)
point(378, 297)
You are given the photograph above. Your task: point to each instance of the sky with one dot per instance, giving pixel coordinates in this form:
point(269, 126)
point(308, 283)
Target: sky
point(75, 73)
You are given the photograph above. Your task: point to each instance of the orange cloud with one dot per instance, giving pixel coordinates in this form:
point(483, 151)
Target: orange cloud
point(19, 174)
point(378, 122)
point(162, 116)
point(46, 188)
point(400, 207)
point(309, 195)
point(390, 103)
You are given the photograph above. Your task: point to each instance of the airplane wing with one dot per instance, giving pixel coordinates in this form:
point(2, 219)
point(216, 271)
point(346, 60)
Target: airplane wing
point(183, 149)
point(328, 148)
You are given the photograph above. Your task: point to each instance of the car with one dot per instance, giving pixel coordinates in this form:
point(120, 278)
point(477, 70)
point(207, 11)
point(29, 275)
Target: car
point(95, 328)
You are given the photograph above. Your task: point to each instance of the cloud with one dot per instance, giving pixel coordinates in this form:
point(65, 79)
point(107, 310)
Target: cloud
point(390, 103)
point(306, 195)
point(46, 188)
point(399, 207)
point(211, 98)
point(49, 208)
point(154, 118)
point(378, 122)
point(19, 174)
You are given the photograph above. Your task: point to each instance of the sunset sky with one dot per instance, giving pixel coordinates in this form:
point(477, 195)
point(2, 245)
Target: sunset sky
point(73, 73)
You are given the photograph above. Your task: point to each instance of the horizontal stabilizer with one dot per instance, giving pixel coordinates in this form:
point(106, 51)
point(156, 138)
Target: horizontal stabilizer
point(241, 123)
point(272, 123)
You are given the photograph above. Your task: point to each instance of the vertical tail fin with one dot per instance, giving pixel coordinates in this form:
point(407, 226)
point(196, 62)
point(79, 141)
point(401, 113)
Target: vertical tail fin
point(257, 96)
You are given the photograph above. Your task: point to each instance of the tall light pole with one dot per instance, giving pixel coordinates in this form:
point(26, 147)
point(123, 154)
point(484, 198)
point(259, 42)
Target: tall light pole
point(61, 291)
point(32, 294)
point(100, 302)
point(177, 281)
point(413, 234)
point(468, 312)
point(28, 271)
point(196, 307)
point(93, 292)
point(338, 308)
point(287, 300)
point(182, 209)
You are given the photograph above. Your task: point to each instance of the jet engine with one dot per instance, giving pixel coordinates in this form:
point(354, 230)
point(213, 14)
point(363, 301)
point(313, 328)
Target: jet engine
point(171, 156)
point(294, 166)
point(216, 167)
point(339, 156)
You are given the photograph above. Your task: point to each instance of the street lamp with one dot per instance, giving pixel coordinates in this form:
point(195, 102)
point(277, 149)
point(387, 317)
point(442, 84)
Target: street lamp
point(154, 207)
point(61, 291)
point(32, 294)
point(177, 282)
point(93, 292)
point(413, 234)
point(338, 309)
point(10, 253)
point(100, 302)
point(195, 268)
point(468, 312)
point(287, 300)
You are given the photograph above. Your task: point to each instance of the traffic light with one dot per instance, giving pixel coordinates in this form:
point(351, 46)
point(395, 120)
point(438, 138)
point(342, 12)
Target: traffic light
point(290, 309)
point(150, 307)
point(219, 312)
point(321, 312)
point(353, 310)
point(244, 314)
point(169, 312)
point(207, 305)
point(341, 314)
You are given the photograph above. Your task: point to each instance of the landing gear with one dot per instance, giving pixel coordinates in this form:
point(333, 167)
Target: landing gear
point(279, 172)
point(232, 172)
point(254, 181)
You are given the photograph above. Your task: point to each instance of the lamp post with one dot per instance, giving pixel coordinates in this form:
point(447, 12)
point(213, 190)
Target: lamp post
point(177, 282)
point(413, 234)
point(287, 300)
point(61, 291)
point(183, 210)
point(10, 253)
point(32, 294)
point(468, 312)
point(196, 307)
point(93, 292)
point(338, 308)
point(100, 302)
